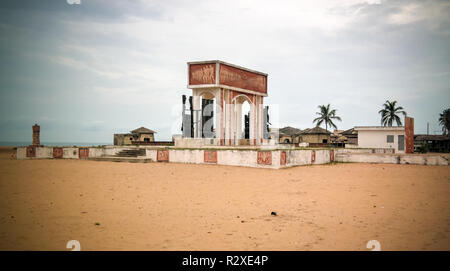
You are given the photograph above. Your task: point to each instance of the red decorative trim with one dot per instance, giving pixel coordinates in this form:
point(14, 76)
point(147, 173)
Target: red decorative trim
point(331, 155)
point(210, 157)
point(264, 158)
point(282, 158)
point(57, 152)
point(313, 157)
point(83, 153)
point(162, 156)
point(221, 117)
point(31, 152)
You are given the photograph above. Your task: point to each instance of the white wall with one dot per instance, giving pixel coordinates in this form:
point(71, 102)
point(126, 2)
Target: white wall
point(378, 139)
point(44, 152)
point(186, 156)
point(70, 153)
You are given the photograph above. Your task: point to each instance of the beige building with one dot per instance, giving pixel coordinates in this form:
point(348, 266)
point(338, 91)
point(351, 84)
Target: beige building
point(381, 137)
point(316, 135)
point(140, 135)
point(287, 135)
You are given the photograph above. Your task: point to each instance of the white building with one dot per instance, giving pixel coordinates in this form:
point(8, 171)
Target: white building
point(381, 137)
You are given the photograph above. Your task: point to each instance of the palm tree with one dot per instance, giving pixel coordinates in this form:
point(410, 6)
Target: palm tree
point(389, 114)
point(326, 115)
point(444, 120)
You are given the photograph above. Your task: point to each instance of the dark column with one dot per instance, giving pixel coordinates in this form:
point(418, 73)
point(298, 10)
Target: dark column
point(36, 131)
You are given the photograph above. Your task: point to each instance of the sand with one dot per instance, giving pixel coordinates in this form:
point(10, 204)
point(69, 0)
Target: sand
point(161, 206)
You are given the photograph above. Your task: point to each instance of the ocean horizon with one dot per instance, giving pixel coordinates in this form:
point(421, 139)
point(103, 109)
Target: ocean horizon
point(44, 143)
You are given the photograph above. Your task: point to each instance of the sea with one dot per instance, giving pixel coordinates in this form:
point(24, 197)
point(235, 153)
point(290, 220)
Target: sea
point(59, 144)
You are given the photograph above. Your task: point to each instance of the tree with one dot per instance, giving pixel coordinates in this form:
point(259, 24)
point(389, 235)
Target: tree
point(444, 120)
point(326, 115)
point(390, 112)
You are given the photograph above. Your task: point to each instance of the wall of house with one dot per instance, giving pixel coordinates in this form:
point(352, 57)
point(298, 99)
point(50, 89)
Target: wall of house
point(315, 138)
point(352, 140)
point(126, 139)
point(284, 138)
point(378, 139)
point(119, 139)
point(143, 136)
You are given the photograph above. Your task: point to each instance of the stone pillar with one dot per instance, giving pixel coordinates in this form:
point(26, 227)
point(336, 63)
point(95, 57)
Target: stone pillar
point(409, 135)
point(36, 131)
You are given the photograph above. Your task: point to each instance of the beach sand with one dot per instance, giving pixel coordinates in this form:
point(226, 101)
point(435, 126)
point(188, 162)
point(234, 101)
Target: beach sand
point(161, 206)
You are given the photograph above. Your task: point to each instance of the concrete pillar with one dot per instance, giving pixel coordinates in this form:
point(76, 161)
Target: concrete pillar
point(36, 131)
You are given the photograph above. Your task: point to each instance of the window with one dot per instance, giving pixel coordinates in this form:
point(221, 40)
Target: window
point(146, 139)
point(324, 140)
point(390, 139)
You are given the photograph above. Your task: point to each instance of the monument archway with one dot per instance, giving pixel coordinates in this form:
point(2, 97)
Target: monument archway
point(226, 87)
point(243, 108)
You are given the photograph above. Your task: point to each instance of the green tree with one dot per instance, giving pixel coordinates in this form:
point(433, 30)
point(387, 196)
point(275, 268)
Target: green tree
point(390, 112)
point(326, 115)
point(444, 120)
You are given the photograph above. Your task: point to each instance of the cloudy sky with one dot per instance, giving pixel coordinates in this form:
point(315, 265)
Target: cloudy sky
point(86, 71)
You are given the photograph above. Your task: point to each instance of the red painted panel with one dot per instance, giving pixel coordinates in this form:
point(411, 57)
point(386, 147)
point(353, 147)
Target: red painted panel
point(57, 152)
point(264, 158)
point(313, 156)
point(202, 74)
point(331, 155)
point(31, 152)
point(83, 152)
point(239, 78)
point(409, 135)
point(162, 156)
point(283, 158)
point(210, 157)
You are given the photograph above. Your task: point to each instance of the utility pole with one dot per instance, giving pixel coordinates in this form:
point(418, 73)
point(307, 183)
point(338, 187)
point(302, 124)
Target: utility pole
point(428, 128)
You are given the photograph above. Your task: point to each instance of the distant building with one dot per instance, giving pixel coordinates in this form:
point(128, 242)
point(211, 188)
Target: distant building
point(381, 137)
point(399, 138)
point(140, 135)
point(351, 136)
point(435, 143)
point(316, 135)
point(287, 135)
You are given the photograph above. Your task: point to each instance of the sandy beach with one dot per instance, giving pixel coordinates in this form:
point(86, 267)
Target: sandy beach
point(161, 206)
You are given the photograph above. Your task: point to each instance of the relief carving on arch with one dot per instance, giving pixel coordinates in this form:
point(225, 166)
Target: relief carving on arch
point(200, 74)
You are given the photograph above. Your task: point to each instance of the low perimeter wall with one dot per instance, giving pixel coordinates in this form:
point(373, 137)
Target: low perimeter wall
point(278, 158)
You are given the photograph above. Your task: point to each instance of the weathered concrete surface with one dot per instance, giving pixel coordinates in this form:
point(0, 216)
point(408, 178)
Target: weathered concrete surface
point(21, 153)
point(71, 153)
point(122, 159)
point(186, 156)
point(298, 157)
point(263, 158)
point(44, 152)
point(237, 158)
point(415, 159)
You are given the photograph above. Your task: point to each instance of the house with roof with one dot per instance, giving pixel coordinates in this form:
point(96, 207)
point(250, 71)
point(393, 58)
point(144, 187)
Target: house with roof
point(382, 137)
point(137, 136)
point(435, 143)
point(287, 135)
point(316, 135)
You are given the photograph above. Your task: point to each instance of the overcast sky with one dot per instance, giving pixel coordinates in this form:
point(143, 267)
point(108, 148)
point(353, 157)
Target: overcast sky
point(86, 71)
